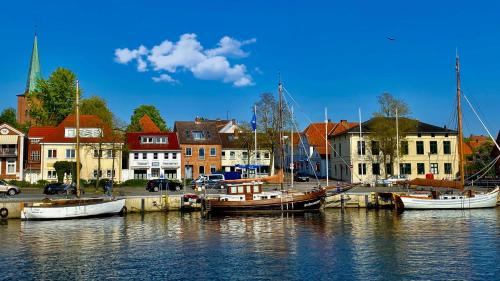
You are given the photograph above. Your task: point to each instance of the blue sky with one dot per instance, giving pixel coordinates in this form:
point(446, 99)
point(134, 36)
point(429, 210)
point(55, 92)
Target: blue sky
point(329, 53)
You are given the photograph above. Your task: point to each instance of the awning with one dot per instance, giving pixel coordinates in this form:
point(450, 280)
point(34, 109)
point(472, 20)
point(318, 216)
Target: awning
point(250, 167)
point(8, 139)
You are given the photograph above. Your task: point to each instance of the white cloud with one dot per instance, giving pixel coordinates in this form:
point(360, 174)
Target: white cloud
point(188, 54)
point(164, 78)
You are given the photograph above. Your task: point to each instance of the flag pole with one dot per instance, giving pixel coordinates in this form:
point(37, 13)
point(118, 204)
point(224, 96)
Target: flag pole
point(255, 137)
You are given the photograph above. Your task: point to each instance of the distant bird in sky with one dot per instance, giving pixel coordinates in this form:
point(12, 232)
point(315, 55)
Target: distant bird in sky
point(391, 38)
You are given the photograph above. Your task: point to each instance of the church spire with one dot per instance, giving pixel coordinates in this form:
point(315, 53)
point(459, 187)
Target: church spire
point(34, 72)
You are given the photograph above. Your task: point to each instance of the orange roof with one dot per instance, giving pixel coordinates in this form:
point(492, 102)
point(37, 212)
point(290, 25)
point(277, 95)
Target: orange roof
point(315, 133)
point(467, 149)
point(147, 125)
point(477, 141)
point(57, 134)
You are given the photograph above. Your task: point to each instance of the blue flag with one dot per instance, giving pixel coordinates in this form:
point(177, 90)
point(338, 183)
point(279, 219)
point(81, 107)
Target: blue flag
point(254, 122)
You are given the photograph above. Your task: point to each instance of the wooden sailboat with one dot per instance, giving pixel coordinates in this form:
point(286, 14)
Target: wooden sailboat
point(466, 200)
point(73, 208)
point(248, 195)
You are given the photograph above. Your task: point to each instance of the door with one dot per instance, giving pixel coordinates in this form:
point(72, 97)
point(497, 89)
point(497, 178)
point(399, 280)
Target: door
point(188, 172)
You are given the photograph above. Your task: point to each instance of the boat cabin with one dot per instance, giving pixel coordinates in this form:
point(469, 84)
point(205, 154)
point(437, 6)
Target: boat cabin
point(248, 191)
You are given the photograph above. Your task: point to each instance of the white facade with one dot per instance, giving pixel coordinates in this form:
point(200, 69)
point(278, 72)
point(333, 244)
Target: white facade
point(154, 164)
point(235, 156)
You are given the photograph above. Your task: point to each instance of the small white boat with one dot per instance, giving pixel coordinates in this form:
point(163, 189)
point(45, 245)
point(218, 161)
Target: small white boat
point(71, 208)
point(448, 201)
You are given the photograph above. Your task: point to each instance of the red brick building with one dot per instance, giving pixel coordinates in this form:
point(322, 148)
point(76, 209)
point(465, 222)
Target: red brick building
point(200, 145)
point(11, 153)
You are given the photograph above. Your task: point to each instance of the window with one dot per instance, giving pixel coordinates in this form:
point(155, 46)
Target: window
point(318, 166)
point(266, 155)
point(375, 148)
point(258, 155)
point(136, 156)
point(334, 150)
point(201, 153)
point(375, 169)
point(70, 153)
point(447, 168)
point(223, 155)
point(97, 153)
point(213, 151)
point(433, 135)
point(201, 170)
point(361, 147)
point(340, 149)
point(11, 166)
point(434, 168)
point(388, 169)
point(446, 147)
point(232, 155)
point(110, 174)
point(244, 154)
point(155, 155)
point(420, 147)
point(35, 155)
point(110, 153)
point(213, 169)
point(434, 147)
point(405, 169)
point(198, 135)
point(188, 151)
point(420, 168)
point(362, 168)
point(404, 147)
point(162, 140)
point(174, 155)
point(52, 153)
point(51, 174)
point(144, 155)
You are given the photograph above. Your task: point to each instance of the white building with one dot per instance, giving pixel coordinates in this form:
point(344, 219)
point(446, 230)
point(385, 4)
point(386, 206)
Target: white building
point(153, 155)
point(239, 156)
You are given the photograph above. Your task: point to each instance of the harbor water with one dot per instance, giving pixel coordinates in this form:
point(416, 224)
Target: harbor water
point(354, 244)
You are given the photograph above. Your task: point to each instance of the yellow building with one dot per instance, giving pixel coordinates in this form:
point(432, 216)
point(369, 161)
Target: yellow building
point(100, 150)
point(427, 149)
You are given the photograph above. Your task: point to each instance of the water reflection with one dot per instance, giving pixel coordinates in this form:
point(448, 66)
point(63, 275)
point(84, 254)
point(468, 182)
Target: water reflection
point(353, 245)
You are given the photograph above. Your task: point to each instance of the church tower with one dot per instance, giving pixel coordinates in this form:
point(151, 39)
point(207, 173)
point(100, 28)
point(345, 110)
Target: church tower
point(34, 74)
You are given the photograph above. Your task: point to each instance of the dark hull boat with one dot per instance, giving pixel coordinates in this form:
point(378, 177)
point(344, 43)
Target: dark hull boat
point(249, 197)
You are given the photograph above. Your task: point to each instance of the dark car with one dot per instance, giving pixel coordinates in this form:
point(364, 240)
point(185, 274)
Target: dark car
point(163, 184)
point(59, 188)
point(301, 177)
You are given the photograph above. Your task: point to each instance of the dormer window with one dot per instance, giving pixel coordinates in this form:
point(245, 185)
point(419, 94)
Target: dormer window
point(198, 135)
point(151, 140)
point(84, 132)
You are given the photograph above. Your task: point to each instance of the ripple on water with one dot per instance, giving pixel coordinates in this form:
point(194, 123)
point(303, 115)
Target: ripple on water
point(334, 245)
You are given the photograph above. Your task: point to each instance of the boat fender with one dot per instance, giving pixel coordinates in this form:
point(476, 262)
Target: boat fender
point(4, 212)
point(123, 211)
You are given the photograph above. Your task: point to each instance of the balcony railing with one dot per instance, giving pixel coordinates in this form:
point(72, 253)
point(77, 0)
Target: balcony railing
point(8, 152)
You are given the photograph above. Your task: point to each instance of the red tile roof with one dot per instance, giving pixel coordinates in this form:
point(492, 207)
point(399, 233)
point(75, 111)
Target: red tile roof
point(148, 125)
point(134, 141)
point(315, 133)
point(57, 134)
point(477, 141)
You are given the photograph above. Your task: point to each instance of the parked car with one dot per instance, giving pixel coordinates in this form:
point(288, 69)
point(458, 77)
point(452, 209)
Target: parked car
point(163, 184)
point(59, 188)
point(392, 180)
point(299, 177)
point(9, 189)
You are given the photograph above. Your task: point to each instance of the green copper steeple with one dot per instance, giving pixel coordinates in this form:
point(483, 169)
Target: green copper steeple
point(34, 72)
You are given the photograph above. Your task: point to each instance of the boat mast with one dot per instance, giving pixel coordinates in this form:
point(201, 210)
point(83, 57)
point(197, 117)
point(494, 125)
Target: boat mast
point(78, 192)
point(280, 130)
point(460, 130)
point(326, 145)
point(397, 144)
point(291, 153)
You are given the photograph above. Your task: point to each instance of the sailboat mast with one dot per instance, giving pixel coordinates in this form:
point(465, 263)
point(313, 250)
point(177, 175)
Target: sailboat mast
point(460, 129)
point(397, 143)
point(280, 130)
point(78, 192)
point(291, 153)
point(326, 145)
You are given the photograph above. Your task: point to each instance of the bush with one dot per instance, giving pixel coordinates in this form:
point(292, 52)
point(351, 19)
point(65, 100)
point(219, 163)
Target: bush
point(135, 182)
point(20, 184)
point(40, 183)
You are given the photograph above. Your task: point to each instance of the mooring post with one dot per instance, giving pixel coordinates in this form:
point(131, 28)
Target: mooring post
point(142, 205)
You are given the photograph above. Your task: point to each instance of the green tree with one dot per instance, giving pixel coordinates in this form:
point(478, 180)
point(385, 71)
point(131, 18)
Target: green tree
point(480, 158)
point(152, 112)
point(8, 116)
point(54, 98)
point(383, 127)
point(98, 106)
